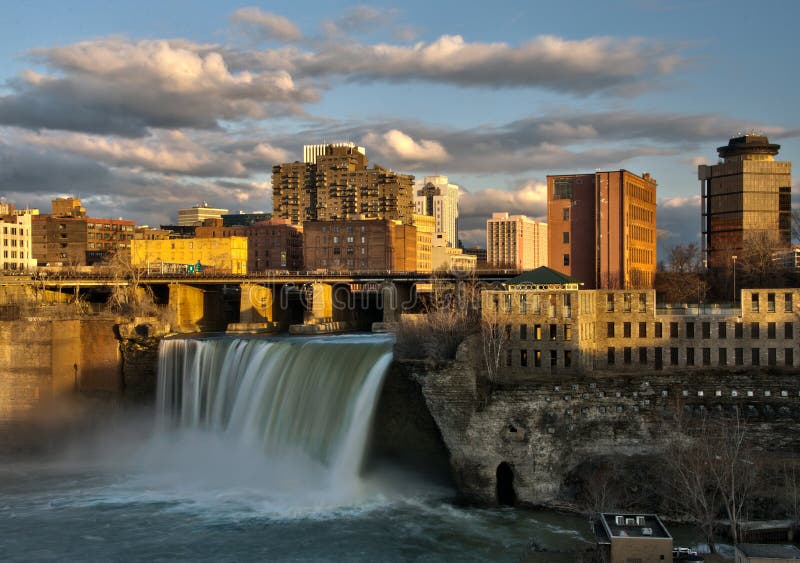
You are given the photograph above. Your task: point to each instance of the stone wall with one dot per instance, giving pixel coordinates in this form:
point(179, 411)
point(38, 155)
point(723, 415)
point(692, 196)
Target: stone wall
point(545, 428)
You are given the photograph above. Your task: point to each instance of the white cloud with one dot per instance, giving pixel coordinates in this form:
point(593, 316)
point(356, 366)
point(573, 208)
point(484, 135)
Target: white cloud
point(398, 145)
point(265, 25)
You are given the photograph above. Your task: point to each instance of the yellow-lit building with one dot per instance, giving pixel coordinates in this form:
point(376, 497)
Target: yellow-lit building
point(220, 255)
point(426, 226)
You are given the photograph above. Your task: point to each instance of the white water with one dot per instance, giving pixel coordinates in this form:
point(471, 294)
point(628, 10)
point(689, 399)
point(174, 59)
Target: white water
point(299, 410)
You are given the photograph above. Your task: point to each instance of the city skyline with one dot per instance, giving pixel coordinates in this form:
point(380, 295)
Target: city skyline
point(142, 111)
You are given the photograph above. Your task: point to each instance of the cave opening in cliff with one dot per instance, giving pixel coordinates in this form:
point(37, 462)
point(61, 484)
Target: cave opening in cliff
point(505, 485)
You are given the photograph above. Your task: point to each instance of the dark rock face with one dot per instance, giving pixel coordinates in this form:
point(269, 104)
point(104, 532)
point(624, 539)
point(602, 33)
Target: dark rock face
point(139, 341)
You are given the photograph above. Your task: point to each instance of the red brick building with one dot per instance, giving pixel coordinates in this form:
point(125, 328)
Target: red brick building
point(275, 244)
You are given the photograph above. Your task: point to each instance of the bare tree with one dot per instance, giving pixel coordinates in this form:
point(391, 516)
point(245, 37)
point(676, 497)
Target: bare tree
point(796, 226)
point(684, 258)
point(129, 295)
point(494, 341)
point(758, 264)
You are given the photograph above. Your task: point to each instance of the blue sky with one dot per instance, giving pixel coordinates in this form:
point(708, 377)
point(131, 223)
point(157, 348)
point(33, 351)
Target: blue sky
point(142, 108)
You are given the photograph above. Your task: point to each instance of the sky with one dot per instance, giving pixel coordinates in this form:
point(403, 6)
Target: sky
point(141, 108)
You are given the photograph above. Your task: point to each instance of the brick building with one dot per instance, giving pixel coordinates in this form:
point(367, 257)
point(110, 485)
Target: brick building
point(362, 245)
point(274, 244)
point(554, 327)
point(218, 255)
point(67, 237)
point(338, 185)
point(602, 228)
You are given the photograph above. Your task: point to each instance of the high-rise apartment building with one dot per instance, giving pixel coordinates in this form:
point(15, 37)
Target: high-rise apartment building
point(311, 152)
point(340, 186)
point(439, 198)
point(748, 194)
point(515, 242)
point(602, 228)
point(426, 227)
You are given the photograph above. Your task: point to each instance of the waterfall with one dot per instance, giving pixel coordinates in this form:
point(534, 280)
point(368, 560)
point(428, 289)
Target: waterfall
point(309, 399)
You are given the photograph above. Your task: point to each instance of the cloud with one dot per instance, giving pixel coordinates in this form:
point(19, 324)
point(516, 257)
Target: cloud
point(597, 64)
point(358, 19)
point(678, 220)
point(264, 25)
point(399, 146)
point(123, 87)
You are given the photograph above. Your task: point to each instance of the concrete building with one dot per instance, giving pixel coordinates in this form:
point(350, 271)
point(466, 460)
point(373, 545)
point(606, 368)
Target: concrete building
point(515, 242)
point(439, 198)
point(217, 255)
point(555, 327)
point(340, 186)
point(602, 228)
point(275, 244)
point(199, 213)
point(426, 227)
point(748, 194)
point(449, 259)
point(311, 152)
point(67, 237)
point(360, 245)
point(766, 553)
point(16, 238)
point(622, 538)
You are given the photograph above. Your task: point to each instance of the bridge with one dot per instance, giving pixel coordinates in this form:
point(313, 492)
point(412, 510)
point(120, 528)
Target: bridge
point(306, 301)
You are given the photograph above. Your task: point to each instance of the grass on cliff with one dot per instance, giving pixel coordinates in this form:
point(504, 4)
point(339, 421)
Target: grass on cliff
point(433, 336)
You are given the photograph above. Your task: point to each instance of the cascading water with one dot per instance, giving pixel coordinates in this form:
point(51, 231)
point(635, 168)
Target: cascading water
point(305, 404)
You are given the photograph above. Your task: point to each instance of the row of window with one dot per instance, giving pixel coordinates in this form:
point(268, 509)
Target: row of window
point(13, 231)
point(705, 330)
point(755, 302)
point(14, 254)
point(705, 358)
point(349, 228)
point(566, 333)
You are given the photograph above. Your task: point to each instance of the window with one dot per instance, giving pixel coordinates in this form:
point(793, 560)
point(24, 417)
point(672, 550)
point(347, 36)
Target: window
point(642, 355)
point(523, 304)
point(722, 330)
point(754, 302)
point(626, 355)
point(738, 356)
point(610, 330)
point(523, 332)
point(706, 356)
point(537, 358)
point(565, 237)
point(507, 303)
point(626, 300)
point(788, 330)
point(690, 356)
point(567, 358)
point(706, 328)
point(658, 330)
point(508, 331)
point(553, 332)
point(771, 330)
point(772, 356)
point(566, 259)
point(770, 302)
point(690, 330)
point(537, 332)
point(611, 355)
point(642, 302)
point(673, 356)
point(788, 356)
point(508, 357)
point(626, 330)
point(723, 356)
point(787, 302)
point(673, 330)
point(642, 330)
point(523, 358)
point(567, 332)
point(553, 358)
point(754, 332)
point(738, 330)
point(755, 354)
point(610, 302)
point(565, 214)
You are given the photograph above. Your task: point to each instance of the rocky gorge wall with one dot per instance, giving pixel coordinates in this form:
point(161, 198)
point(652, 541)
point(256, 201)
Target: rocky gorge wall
point(545, 429)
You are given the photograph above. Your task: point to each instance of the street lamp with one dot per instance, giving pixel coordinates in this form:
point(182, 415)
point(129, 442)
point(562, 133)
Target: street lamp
point(734, 277)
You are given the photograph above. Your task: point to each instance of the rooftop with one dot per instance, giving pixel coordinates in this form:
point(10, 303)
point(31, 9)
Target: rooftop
point(618, 525)
point(542, 276)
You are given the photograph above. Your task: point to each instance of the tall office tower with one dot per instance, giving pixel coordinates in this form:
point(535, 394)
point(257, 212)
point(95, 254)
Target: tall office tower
point(439, 199)
point(311, 152)
point(515, 242)
point(602, 228)
point(339, 186)
point(748, 194)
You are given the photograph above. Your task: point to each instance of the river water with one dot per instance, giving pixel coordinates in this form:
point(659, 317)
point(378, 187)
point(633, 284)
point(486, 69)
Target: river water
point(224, 471)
